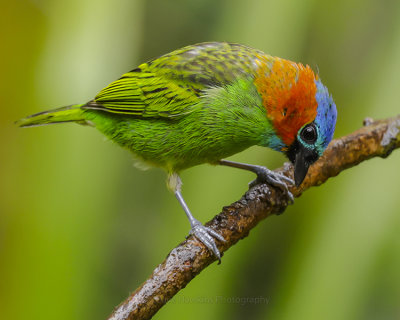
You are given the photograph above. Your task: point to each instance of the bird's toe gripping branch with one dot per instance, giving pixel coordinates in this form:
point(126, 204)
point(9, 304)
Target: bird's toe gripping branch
point(206, 235)
point(264, 175)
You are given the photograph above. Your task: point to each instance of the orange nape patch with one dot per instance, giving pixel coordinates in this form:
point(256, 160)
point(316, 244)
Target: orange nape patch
point(288, 93)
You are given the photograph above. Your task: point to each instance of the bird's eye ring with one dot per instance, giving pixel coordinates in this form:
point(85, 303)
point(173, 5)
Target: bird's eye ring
point(309, 133)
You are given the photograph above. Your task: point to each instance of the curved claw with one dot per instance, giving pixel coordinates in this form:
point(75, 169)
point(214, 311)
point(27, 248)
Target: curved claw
point(205, 235)
point(276, 179)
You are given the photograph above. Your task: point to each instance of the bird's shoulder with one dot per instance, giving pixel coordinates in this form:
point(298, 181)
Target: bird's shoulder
point(209, 63)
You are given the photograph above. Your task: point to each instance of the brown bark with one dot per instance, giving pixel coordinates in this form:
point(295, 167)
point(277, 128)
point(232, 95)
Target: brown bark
point(188, 259)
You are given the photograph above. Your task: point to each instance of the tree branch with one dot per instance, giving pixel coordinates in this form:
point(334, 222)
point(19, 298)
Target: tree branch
point(188, 259)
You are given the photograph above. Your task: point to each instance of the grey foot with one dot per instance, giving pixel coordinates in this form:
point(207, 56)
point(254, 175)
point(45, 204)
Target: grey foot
point(205, 235)
point(271, 177)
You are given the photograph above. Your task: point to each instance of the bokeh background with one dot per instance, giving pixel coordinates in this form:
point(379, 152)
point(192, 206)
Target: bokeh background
point(81, 227)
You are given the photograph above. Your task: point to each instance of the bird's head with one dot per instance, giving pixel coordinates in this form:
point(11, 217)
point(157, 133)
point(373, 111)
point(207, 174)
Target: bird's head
point(313, 137)
point(301, 111)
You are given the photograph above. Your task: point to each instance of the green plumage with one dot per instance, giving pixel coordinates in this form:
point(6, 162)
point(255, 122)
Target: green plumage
point(202, 103)
point(194, 105)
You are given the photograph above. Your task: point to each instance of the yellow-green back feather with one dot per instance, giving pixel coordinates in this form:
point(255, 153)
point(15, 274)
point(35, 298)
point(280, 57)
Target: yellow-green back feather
point(171, 85)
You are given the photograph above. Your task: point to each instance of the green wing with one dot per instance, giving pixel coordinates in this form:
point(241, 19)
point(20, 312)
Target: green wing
point(145, 94)
point(171, 85)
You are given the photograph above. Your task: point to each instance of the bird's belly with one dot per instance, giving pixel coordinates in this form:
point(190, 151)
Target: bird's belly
point(173, 145)
point(175, 151)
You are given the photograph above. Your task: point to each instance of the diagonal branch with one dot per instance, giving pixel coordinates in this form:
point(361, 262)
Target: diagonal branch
point(188, 259)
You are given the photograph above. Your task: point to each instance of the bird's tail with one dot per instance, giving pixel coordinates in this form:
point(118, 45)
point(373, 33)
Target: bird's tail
point(72, 113)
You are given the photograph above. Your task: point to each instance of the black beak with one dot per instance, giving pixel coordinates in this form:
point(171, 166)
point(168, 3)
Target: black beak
point(304, 158)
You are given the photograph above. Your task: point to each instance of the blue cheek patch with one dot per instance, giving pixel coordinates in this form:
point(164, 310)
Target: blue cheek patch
point(326, 115)
point(276, 143)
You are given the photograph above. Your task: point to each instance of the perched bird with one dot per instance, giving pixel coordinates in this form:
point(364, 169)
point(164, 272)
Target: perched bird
point(206, 102)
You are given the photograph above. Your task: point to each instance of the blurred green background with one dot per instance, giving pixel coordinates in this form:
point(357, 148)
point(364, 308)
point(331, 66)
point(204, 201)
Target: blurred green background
point(80, 227)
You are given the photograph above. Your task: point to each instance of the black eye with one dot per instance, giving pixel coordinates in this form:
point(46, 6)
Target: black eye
point(309, 134)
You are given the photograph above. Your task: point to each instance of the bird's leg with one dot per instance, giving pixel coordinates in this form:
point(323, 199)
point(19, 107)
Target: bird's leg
point(205, 234)
point(263, 175)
